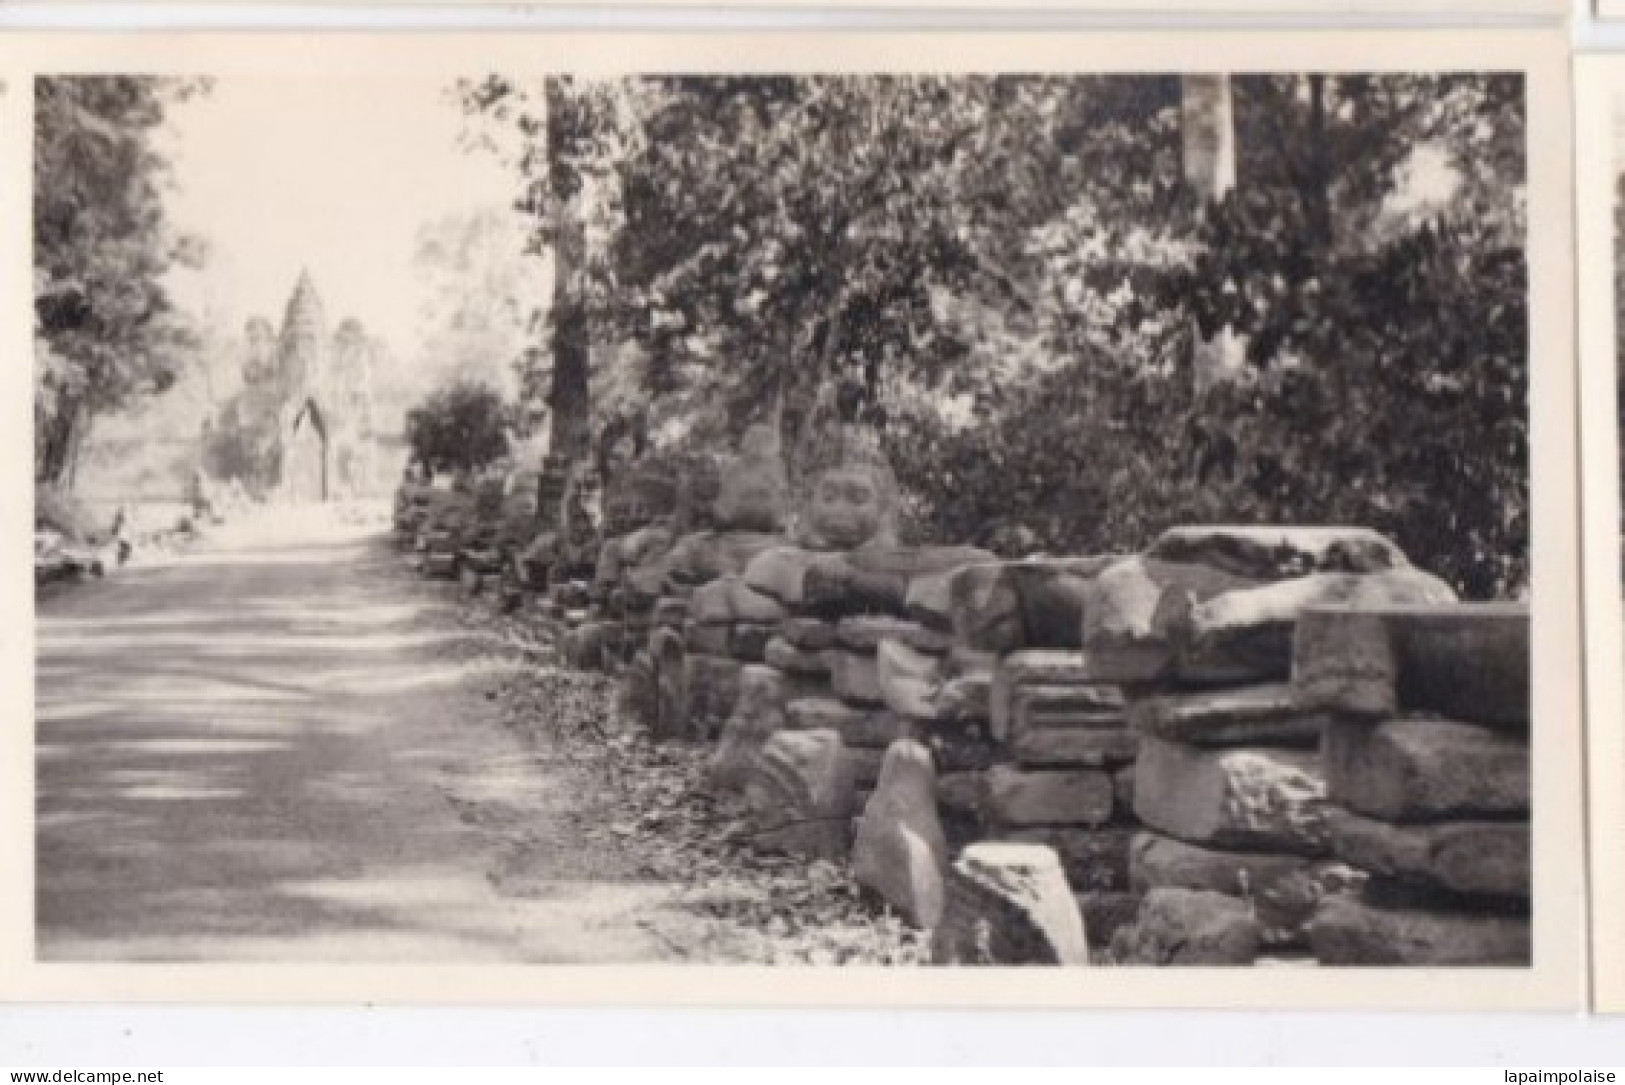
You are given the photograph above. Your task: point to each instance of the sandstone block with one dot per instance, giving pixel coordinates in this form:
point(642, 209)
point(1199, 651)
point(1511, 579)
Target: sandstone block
point(670, 613)
point(858, 727)
point(808, 634)
point(1016, 797)
point(1246, 635)
point(1129, 610)
point(1070, 725)
point(1468, 661)
point(1031, 668)
point(1425, 770)
point(1262, 715)
point(1189, 927)
point(855, 678)
point(1347, 931)
point(780, 653)
point(1248, 798)
point(711, 640)
point(1485, 858)
point(909, 681)
point(900, 851)
point(747, 641)
point(781, 572)
point(800, 794)
point(1009, 904)
point(728, 599)
point(965, 698)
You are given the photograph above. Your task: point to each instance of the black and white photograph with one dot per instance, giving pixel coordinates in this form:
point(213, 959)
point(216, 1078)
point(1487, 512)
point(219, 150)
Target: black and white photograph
point(847, 515)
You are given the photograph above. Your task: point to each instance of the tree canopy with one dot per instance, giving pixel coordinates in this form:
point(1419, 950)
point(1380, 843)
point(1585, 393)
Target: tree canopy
point(105, 327)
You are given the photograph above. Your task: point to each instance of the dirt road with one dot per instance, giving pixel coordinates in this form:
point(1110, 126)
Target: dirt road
point(281, 747)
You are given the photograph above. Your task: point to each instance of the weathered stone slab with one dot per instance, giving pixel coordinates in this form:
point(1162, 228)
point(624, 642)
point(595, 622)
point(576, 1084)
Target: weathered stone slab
point(1279, 552)
point(1128, 611)
point(1095, 860)
point(1009, 904)
point(782, 654)
point(758, 714)
point(1189, 927)
point(1260, 715)
point(800, 794)
point(1248, 798)
point(1468, 662)
point(1246, 635)
point(855, 677)
point(808, 634)
point(1426, 770)
point(900, 851)
point(864, 632)
point(1347, 931)
point(713, 685)
point(1031, 668)
point(1011, 605)
point(1017, 797)
point(909, 681)
point(728, 599)
point(1484, 858)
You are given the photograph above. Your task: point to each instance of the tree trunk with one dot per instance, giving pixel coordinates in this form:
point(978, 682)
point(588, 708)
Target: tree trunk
point(1208, 131)
point(570, 393)
point(1318, 195)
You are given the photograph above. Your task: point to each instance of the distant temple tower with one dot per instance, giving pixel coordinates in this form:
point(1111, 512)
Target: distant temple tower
point(323, 395)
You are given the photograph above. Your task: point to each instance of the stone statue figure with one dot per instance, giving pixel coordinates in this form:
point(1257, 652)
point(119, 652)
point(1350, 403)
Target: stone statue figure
point(851, 501)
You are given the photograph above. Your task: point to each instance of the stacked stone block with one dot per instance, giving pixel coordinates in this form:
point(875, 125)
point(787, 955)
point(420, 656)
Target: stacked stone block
point(1427, 766)
point(1235, 854)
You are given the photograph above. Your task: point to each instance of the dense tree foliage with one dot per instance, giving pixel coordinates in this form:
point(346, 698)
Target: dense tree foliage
point(105, 328)
point(1005, 275)
point(461, 427)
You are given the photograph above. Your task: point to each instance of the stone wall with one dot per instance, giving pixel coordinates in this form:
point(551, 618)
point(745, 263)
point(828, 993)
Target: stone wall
point(1242, 743)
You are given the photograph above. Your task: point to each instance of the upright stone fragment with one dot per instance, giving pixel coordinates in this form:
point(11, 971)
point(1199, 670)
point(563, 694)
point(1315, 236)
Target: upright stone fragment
point(800, 795)
point(758, 714)
point(1256, 798)
point(900, 851)
point(1009, 904)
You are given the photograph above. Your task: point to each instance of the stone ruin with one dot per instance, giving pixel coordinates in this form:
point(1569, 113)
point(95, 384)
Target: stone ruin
point(1242, 744)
